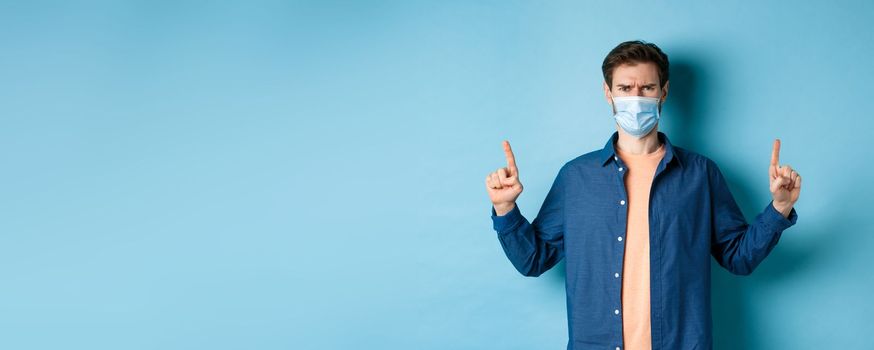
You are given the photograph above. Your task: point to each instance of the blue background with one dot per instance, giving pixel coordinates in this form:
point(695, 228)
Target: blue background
point(309, 175)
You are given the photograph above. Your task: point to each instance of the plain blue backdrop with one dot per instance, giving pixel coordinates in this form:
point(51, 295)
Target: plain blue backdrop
point(309, 175)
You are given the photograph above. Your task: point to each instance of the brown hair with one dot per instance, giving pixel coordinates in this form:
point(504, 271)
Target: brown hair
point(634, 52)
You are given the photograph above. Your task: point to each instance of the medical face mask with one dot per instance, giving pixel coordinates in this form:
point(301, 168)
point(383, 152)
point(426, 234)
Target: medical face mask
point(636, 115)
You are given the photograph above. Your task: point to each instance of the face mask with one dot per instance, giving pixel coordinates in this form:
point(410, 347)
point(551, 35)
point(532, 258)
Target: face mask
point(635, 114)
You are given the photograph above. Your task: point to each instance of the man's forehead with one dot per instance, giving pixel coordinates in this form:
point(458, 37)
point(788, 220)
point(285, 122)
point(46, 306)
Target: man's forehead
point(645, 73)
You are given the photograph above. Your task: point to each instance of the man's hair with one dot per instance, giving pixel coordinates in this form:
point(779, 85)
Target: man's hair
point(632, 53)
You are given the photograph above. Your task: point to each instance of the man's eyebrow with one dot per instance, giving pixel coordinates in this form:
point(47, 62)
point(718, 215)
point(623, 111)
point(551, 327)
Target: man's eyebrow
point(629, 85)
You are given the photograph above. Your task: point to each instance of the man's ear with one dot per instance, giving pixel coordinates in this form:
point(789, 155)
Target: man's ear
point(665, 91)
point(607, 93)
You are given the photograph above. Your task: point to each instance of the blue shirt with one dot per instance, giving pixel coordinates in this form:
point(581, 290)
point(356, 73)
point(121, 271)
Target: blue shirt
point(692, 216)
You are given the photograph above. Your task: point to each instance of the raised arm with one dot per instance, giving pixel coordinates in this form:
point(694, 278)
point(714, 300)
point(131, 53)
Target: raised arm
point(532, 247)
point(739, 246)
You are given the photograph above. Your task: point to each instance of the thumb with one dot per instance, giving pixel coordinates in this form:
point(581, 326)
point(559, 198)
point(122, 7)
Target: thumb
point(503, 176)
point(777, 183)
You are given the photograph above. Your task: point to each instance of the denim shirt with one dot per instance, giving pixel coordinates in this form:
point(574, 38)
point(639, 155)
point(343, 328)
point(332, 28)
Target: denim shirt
point(692, 216)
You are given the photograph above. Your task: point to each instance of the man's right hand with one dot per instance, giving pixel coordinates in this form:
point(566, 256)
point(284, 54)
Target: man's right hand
point(503, 185)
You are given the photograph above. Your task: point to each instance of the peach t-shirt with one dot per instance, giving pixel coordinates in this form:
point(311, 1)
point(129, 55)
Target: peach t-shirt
point(636, 327)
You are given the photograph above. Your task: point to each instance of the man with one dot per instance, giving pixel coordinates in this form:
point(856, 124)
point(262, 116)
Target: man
point(638, 221)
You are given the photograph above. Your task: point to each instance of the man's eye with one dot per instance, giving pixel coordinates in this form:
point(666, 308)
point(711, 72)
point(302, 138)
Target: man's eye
point(649, 88)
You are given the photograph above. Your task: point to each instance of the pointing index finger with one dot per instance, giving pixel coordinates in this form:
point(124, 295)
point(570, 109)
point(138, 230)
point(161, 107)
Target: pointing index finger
point(511, 160)
point(775, 157)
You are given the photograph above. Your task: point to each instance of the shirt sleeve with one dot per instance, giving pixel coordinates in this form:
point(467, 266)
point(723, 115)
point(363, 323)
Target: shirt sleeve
point(535, 247)
point(735, 244)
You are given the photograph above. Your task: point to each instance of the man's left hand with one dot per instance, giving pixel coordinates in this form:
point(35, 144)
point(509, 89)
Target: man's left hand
point(785, 183)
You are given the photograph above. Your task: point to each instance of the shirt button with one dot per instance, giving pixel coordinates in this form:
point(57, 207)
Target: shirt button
point(617, 348)
point(620, 168)
point(619, 238)
point(616, 311)
point(616, 275)
point(615, 158)
point(622, 202)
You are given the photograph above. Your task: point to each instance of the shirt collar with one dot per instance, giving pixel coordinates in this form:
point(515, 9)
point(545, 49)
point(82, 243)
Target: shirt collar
point(609, 150)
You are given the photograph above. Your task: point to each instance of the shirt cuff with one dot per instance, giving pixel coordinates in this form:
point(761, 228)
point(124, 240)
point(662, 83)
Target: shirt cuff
point(507, 221)
point(776, 220)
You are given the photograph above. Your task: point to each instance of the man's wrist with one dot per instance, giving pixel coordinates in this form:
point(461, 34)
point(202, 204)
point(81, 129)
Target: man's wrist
point(783, 209)
point(504, 208)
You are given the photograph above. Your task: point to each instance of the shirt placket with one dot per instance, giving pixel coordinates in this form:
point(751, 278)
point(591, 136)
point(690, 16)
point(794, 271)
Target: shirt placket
point(619, 251)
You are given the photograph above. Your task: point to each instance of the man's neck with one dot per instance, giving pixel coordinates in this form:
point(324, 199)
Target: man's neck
point(644, 145)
